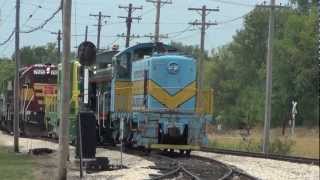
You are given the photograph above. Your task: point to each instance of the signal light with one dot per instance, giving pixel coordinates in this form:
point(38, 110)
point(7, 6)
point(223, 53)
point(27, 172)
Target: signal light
point(87, 53)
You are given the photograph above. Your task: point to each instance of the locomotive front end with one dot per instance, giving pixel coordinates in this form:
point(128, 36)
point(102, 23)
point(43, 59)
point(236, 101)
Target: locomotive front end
point(165, 88)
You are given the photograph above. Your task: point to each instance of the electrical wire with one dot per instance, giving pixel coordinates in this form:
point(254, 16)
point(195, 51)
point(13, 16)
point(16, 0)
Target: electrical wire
point(234, 3)
point(32, 14)
point(8, 39)
point(6, 47)
point(44, 23)
point(233, 19)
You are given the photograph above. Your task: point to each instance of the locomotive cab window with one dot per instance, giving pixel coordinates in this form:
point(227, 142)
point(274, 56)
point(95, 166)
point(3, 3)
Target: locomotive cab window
point(123, 66)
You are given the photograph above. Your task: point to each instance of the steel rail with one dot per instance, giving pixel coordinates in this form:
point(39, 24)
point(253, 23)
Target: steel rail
point(294, 159)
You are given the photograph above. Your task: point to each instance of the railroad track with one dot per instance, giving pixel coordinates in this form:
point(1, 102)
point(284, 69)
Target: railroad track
point(196, 168)
point(302, 160)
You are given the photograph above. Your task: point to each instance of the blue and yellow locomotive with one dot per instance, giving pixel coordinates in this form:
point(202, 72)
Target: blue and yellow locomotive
point(155, 101)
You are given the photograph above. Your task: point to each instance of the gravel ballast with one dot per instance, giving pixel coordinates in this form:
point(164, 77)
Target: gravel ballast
point(267, 168)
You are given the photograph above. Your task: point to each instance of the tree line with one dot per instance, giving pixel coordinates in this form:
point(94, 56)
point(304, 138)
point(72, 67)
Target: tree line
point(237, 71)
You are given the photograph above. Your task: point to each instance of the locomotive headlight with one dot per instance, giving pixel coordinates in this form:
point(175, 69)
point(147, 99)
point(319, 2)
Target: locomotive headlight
point(173, 68)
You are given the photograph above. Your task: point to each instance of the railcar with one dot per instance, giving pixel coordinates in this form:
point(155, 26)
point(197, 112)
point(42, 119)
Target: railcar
point(154, 101)
point(53, 111)
point(38, 89)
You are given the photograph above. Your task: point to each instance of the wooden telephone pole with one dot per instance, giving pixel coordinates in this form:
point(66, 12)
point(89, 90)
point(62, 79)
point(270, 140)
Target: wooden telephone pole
point(16, 81)
point(100, 17)
point(204, 25)
point(158, 4)
point(65, 93)
point(129, 19)
point(267, 113)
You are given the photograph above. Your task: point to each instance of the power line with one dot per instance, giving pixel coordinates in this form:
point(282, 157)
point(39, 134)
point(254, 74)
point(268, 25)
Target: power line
point(233, 19)
point(44, 23)
point(99, 16)
point(179, 33)
point(233, 3)
point(6, 47)
point(8, 39)
point(32, 14)
point(204, 11)
point(158, 4)
point(129, 20)
point(185, 37)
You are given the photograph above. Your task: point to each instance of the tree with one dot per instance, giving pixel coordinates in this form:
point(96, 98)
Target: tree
point(236, 71)
point(39, 54)
point(7, 69)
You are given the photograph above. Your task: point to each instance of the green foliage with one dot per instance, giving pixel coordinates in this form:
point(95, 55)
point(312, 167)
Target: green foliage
point(277, 146)
point(39, 54)
point(250, 145)
point(237, 71)
point(7, 69)
point(190, 50)
point(283, 147)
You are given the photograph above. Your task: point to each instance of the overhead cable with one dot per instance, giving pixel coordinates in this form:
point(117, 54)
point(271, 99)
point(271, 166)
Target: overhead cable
point(44, 23)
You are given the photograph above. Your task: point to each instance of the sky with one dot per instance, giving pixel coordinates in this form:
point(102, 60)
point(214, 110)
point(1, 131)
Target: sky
point(174, 19)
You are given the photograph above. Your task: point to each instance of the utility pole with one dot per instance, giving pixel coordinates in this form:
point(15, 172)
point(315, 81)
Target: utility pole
point(59, 42)
point(158, 4)
point(129, 19)
point(204, 25)
point(86, 34)
point(267, 112)
point(16, 81)
point(100, 17)
point(65, 93)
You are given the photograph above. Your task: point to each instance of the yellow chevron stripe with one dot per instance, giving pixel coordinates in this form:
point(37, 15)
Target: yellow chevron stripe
point(168, 100)
point(126, 90)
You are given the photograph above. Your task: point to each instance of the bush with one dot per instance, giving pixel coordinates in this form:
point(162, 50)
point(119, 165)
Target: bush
point(283, 147)
point(250, 145)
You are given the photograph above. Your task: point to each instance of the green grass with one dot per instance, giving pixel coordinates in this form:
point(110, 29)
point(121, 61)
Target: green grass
point(15, 166)
point(304, 144)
